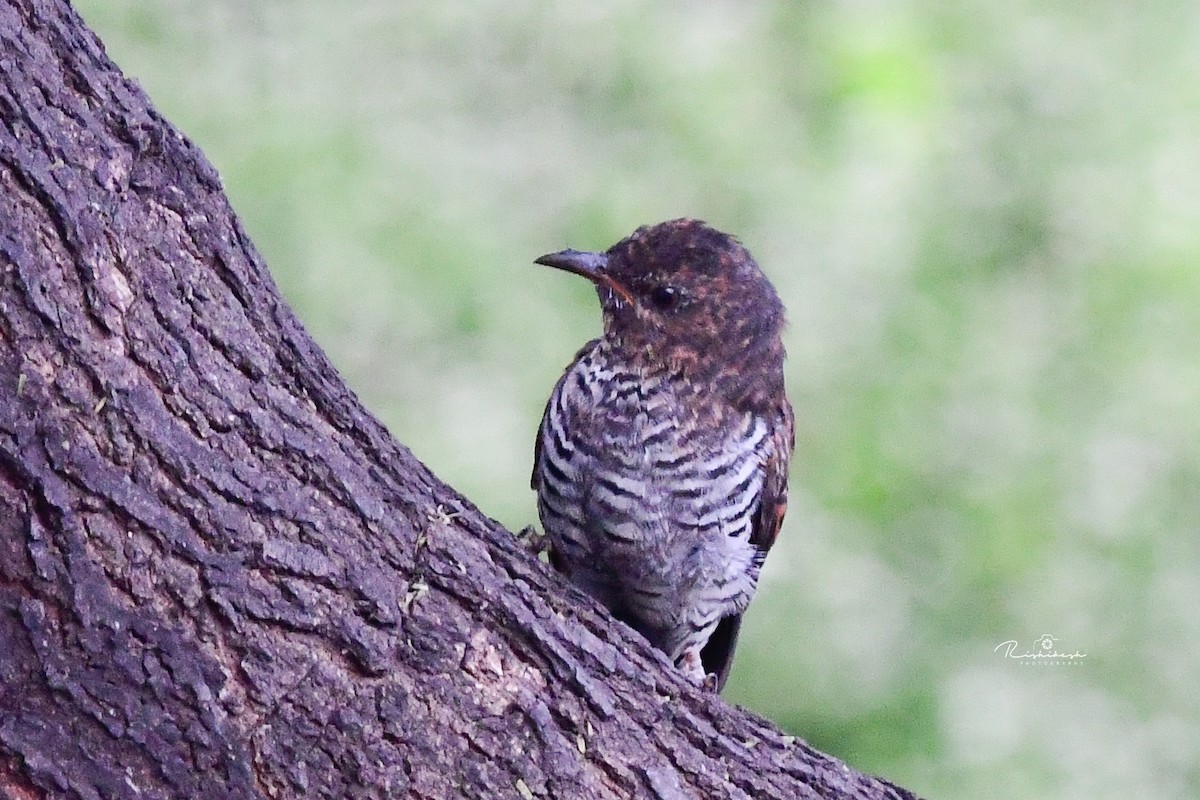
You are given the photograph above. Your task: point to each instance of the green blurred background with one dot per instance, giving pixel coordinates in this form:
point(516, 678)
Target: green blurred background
point(984, 220)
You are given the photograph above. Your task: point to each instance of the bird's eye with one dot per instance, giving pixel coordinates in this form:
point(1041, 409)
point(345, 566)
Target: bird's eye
point(665, 298)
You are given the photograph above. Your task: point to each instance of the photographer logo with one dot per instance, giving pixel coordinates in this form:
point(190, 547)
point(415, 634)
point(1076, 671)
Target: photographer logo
point(1044, 652)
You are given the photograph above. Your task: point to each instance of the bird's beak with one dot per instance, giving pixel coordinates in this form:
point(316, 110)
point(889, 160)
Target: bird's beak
point(589, 265)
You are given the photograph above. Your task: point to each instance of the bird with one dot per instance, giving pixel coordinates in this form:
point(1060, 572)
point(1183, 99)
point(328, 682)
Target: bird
point(661, 461)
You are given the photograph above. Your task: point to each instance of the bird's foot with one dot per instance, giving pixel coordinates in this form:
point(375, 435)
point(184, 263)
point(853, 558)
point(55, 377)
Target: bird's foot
point(689, 664)
point(533, 541)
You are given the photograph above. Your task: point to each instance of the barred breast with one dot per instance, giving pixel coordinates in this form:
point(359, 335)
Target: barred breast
point(648, 501)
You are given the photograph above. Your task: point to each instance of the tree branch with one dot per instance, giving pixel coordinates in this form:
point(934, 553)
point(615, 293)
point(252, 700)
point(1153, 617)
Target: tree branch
point(219, 575)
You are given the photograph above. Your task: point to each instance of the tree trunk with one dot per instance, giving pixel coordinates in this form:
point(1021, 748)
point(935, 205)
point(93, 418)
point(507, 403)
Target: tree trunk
point(219, 575)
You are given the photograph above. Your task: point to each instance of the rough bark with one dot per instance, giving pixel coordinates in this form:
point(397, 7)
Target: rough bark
point(219, 575)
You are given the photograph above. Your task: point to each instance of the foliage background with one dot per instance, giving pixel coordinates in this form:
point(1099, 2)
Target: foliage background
point(984, 219)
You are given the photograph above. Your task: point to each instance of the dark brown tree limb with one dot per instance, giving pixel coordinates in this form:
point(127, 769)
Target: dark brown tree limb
point(219, 575)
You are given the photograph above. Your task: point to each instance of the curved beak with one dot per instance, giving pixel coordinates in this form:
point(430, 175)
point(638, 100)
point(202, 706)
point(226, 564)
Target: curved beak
point(589, 265)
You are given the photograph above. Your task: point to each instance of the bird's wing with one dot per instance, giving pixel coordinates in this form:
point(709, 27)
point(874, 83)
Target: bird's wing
point(717, 655)
point(772, 503)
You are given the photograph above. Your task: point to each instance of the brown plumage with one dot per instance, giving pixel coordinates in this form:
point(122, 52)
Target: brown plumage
point(661, 462)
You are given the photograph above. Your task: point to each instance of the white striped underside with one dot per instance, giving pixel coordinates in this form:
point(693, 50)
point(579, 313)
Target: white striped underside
point(651, 512)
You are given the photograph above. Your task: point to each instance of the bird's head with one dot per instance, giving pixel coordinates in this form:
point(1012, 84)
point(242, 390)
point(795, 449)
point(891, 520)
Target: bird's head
point(682, 294)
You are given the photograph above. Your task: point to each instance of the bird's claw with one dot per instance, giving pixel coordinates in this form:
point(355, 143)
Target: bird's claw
point(533, 541)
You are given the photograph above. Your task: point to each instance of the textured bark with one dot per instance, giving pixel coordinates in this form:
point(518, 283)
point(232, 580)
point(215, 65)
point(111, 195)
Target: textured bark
point(219, 575)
